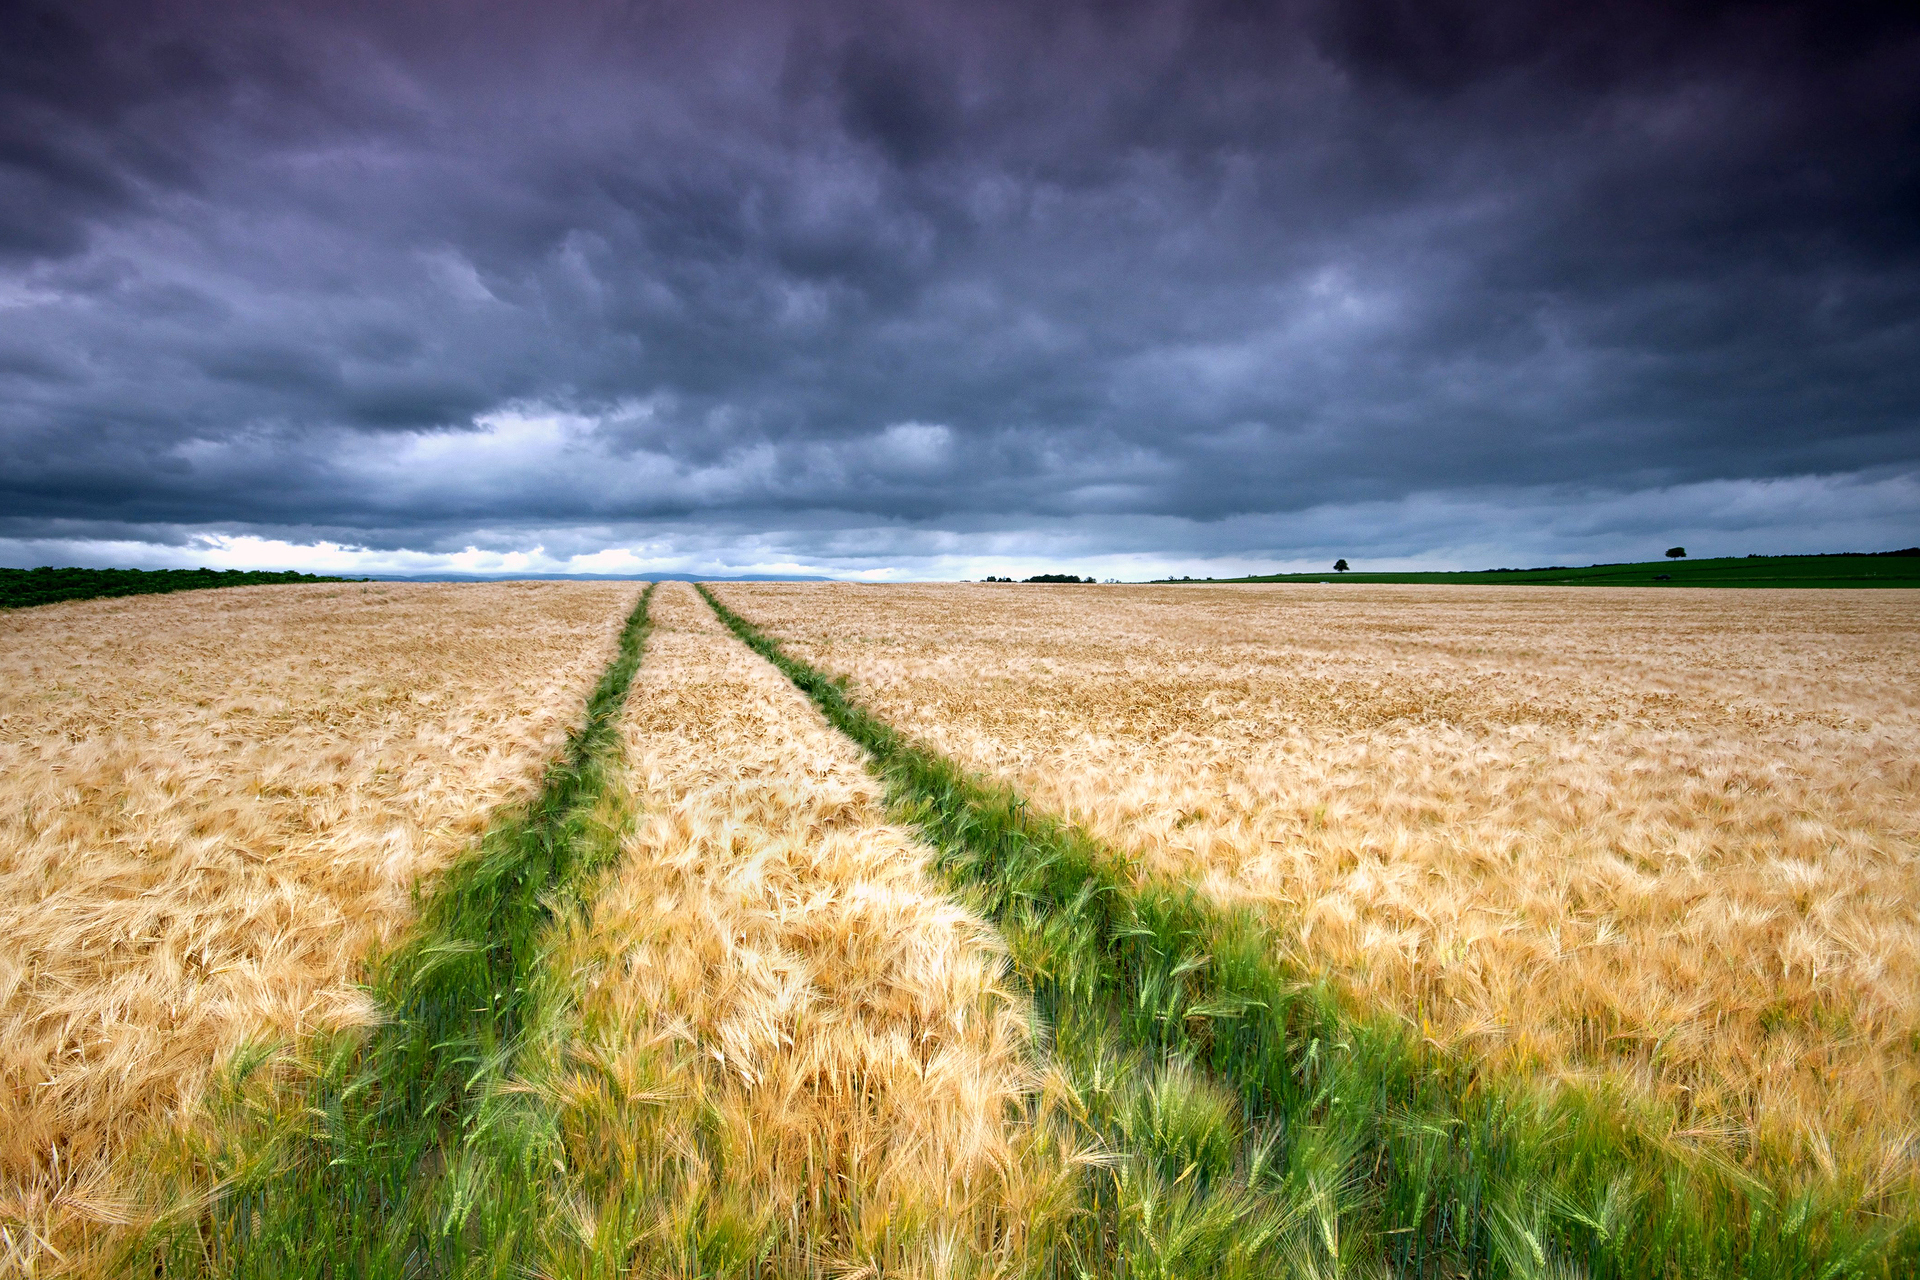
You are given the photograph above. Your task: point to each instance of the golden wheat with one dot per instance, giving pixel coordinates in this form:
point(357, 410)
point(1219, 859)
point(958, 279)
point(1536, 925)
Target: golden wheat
point(211, 806)
point(1664, 842)
point(789, 1040)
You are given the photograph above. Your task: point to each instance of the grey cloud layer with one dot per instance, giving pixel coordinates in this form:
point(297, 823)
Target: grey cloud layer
point(407, 277)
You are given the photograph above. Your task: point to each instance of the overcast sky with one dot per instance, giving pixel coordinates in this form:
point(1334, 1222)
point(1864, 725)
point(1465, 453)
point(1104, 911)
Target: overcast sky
point(941, 290)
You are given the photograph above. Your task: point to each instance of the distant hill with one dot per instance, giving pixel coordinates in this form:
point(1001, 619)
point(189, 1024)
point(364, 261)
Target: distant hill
point(21, 588)
point(1850, 569)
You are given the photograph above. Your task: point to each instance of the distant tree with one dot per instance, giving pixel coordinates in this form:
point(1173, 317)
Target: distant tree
point(1676, 553)
point(1339, 566)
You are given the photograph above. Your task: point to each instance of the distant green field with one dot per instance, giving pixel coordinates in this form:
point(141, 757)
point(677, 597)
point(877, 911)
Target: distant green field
point(1879, 569)
point(20, 588)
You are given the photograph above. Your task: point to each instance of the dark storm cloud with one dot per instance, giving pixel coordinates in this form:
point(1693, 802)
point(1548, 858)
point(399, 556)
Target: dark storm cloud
point(428, 275)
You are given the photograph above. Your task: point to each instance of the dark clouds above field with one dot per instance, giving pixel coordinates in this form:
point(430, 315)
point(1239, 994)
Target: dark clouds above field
point(940, 289)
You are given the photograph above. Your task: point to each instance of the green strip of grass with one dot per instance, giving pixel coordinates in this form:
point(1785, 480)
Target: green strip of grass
point(409, 1153)
point(1426, 1167)
point(1882, 569)
point(23, 588)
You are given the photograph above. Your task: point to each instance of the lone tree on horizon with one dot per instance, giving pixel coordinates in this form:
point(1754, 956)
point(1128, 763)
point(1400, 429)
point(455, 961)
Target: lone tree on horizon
point(1676, 553)
point(1339, 566)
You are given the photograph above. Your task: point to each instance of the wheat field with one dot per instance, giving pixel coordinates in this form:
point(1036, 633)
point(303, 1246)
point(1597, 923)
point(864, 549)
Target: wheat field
point(791, 1047)
point(1661, 844)
point(212, 805)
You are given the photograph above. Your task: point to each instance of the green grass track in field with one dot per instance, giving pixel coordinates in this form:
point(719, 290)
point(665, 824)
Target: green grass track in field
point(406, 1152)
point(1348, 1149)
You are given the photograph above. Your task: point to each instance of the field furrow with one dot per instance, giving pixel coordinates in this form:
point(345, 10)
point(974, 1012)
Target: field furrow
point(793, 1052)
point(212, 808)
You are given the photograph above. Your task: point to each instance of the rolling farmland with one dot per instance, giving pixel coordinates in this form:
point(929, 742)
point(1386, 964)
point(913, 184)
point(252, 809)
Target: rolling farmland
point(1664, 847)
point(960, 930)
point(829, 1060)
point(214, 805)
